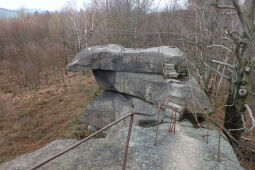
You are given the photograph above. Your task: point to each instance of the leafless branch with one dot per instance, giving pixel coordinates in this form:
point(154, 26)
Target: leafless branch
point(223, 63)
point(240, 129)
point(237, 7)
point(251, 116)
point(223, 72)
point(210, 46)
point(247, 139)
point(224, 6)
point(229, 13)
point(228, 39)
point(197, 72)
point(244, 124)
point(241, 16)
point(230, 70)
point(224, 76)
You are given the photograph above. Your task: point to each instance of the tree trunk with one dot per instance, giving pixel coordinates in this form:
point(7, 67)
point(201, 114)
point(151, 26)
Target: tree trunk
point(240, 87)
point(207, 72)
point(233, 119)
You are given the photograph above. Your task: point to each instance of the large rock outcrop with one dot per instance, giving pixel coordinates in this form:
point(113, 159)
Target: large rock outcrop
point(155, 76)
point(114, 57)
point(184, 150)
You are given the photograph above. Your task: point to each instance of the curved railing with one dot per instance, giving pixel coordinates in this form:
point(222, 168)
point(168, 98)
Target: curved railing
point(131, 115)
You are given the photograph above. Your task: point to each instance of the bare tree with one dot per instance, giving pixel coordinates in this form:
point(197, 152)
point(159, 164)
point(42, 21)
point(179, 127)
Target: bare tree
point(241, 77)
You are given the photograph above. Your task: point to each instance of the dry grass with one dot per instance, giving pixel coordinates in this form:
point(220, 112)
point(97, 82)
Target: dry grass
point(31, 119)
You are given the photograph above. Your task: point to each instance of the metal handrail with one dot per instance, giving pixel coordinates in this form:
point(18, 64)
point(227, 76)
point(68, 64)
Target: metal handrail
point(91, 136)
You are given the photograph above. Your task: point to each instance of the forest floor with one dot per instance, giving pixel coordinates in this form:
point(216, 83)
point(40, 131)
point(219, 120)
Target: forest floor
point(31, 119)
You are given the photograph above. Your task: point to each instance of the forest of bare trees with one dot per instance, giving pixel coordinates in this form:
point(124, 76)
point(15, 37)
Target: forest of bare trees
point(216, 35)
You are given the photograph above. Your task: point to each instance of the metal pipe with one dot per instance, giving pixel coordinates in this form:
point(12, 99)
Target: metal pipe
point(173, 121)
point(205, 137)
point(80, 142)
point(218, 155)
point(169, 107)
point(170, 126)
point(156, 140)
point(127, 142)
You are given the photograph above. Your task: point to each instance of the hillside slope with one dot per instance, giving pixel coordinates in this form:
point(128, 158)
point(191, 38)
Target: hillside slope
point(31, 119)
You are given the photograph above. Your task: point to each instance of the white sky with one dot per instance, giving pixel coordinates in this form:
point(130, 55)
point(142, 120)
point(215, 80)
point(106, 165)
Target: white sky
point(35, 4)
point(51, 5)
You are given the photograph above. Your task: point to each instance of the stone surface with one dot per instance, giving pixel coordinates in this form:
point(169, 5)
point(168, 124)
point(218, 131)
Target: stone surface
point(114, 57)
point(111, 105)
point(100, 112)
point(171, 74)
point(155, 89)
point(202, 103)
point(179, 108)
point(92, 129)
point(169, 66)
point(184, 150)
point(149, 87)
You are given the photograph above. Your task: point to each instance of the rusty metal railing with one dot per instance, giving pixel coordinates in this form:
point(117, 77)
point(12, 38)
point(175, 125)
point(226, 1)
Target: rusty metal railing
point(172, 121)
point(131, 115)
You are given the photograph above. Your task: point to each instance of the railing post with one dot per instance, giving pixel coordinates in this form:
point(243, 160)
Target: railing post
point(127, 142)
point(218, 151)
point(173, 121)
point(156, 139)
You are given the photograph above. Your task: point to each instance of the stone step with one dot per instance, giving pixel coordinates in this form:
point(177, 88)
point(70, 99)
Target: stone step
point(168, 66)
point(179, 108)
point(174, 81)
point(171, 74)
point(169, 113)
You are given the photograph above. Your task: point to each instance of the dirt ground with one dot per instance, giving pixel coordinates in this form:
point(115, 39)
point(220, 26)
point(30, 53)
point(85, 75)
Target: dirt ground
point(31, 119)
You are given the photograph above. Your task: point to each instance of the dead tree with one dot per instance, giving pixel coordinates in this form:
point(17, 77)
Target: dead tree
point(241, 78)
